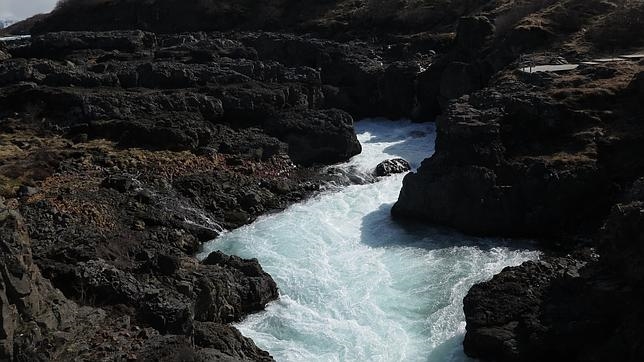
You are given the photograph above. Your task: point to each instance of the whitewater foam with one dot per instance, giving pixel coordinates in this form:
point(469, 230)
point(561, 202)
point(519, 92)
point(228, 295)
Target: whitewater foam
point(355, 286)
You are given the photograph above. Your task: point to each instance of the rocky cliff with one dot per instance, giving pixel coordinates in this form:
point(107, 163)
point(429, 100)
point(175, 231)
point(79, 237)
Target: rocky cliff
point(533, 155)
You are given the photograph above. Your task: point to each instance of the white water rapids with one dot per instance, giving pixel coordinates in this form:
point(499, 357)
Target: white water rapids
point(354, 285)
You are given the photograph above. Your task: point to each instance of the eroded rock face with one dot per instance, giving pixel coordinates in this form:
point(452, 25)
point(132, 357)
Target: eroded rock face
point(563, 308)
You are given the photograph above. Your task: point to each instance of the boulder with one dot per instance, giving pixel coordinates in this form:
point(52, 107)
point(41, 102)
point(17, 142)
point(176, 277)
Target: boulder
point(228, 341)
point(248, 288)
point(26, 191)
point(316, 137)
point(393, 166)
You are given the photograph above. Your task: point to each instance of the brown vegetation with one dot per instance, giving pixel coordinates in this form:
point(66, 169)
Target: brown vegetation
point(624, 28)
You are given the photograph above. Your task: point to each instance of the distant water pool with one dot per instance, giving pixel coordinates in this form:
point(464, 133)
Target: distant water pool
point(354, 285)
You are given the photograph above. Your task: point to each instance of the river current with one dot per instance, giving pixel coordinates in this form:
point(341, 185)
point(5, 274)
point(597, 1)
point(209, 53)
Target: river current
point(356, 286)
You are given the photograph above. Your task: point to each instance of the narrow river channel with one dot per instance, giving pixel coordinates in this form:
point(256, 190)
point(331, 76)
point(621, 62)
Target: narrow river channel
point(356, 286)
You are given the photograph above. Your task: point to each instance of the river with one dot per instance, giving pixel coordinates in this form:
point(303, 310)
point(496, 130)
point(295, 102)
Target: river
point(356, 286)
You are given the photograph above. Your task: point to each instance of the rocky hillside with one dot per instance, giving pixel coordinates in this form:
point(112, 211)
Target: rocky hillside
point(348, 19)
point(534, 154)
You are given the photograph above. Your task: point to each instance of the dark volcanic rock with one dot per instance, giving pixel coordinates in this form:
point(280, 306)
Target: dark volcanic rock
point(514, 160)
point(120, 212)
point(321, 137)
point(473, 32)
point(538, 154)
point(398, 90)
point(390, 167)
point(122, 183)
point(30, 308)
point(564, 309)
point(229, 342)
point(503, 314)
point(252, 289)
point(167, 297)
point(60, 43)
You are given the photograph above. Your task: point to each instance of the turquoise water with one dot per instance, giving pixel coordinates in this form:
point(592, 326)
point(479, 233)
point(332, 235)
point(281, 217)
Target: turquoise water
point(355, 286)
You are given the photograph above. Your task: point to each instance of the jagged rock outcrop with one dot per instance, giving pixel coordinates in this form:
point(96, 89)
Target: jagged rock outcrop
point(516, 160)
point(38, 322)
point(225, 342)
point(503, 314)
point(549, 155)
point(30, 308)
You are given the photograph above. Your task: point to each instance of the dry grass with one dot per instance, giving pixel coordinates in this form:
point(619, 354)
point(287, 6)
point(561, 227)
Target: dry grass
point(517, 11)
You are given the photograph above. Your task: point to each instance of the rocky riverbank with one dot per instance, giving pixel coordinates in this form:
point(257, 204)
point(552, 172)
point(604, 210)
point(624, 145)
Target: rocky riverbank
point(549, 155)
point(121, 152)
